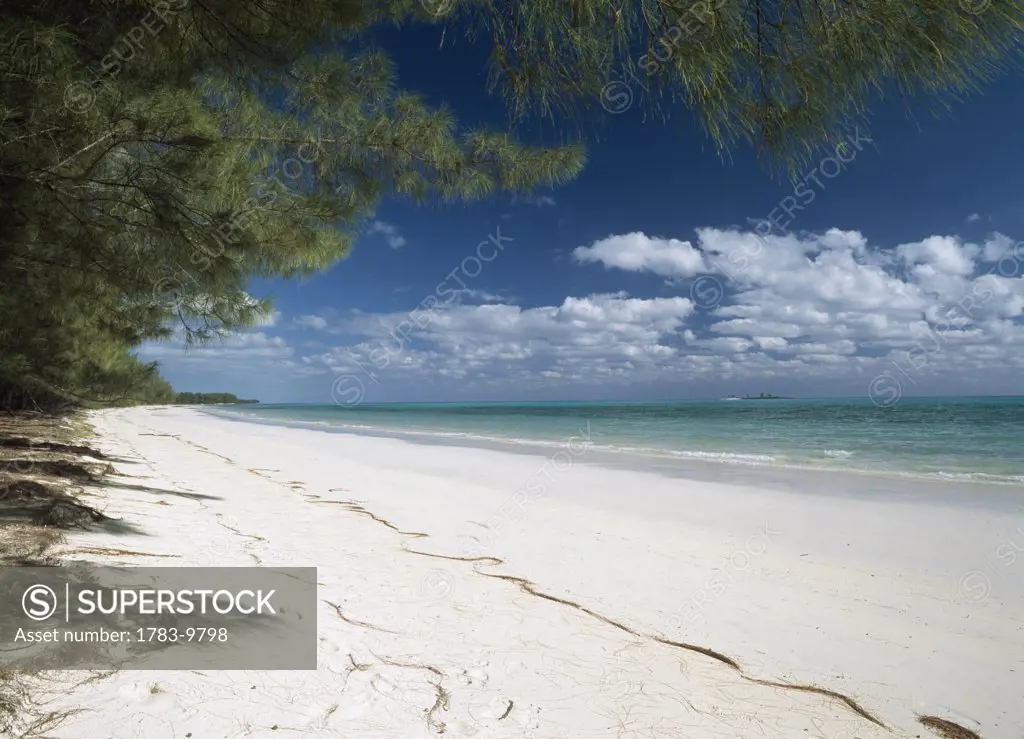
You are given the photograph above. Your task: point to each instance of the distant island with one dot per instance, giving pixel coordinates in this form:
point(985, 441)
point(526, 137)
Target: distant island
point(762, 396)
point(209, 399)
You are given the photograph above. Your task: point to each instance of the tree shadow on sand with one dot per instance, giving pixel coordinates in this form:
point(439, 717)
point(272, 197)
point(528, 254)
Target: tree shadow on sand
point(158, 491)
point(48, 506)
point(44, 471)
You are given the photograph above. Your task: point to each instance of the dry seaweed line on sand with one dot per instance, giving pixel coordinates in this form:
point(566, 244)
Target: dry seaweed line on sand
point(943, 727)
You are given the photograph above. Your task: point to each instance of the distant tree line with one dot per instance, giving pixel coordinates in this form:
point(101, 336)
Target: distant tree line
point(208, 399)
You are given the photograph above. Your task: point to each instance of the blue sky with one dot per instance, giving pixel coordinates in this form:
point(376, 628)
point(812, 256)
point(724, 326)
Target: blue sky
point(645, 278)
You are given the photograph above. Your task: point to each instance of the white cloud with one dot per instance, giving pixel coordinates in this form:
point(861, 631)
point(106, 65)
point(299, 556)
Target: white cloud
point(999, 246)
point(232, 349)
point(637, 252)
point(482, 295)
point(601, 335)
point(316, 323)
point(834, 299)
point(827, 310)
point(270, 320)
point(946, 254)
point(390, 233)
point(540, 201)
point(973, 217)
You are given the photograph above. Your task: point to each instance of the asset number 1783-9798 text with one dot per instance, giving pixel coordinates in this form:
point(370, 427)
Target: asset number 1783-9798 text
point(189, 634)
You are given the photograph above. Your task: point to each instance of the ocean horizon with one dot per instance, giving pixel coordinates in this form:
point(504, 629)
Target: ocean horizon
point(970, 438)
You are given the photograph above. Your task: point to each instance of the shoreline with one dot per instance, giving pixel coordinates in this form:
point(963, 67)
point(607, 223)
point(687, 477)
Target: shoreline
point(687, 467)
point(856, 596)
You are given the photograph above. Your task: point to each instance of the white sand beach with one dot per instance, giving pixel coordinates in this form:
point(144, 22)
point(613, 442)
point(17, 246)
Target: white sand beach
point(613, 602)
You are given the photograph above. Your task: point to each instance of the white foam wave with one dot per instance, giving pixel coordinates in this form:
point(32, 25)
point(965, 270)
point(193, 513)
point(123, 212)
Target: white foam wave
point(584, 439)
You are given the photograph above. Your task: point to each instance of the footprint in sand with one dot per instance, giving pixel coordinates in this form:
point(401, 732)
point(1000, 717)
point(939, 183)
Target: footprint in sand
point(460, 729)
point(309, 710)
point(528, 719)
point(328, 647)
point(360, 698)
point(383, 685)
point(513, 667)
point(473, 677)
point(496, 711)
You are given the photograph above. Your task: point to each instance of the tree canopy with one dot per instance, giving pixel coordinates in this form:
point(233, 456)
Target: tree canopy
point(156, 155)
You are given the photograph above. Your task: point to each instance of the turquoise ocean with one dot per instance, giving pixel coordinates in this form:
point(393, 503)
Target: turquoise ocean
point(977, 439)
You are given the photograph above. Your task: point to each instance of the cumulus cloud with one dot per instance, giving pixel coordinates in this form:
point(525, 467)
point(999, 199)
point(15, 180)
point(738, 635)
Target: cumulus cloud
point(638, 252)
point(819, 306)
point(390, 233)
point(270, 320)
point(833, 298)
point(240, 349)
point(316, 323)
point(998, 247)
point(601, 335)
point(830, 308)
point(945, 254)
point(481, 295)
point(540, 201)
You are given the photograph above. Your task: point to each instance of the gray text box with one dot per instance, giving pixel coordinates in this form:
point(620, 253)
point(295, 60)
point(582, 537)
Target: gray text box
point(158, 618)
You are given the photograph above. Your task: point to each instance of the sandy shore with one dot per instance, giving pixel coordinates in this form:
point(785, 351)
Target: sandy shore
point(612, 604)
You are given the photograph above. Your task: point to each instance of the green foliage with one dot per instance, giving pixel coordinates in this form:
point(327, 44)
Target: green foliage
point(155, 155)
point(787, 77)
point(208, 399)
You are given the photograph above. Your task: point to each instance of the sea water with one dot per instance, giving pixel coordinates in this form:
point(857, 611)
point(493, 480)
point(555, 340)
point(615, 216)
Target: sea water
point(977, 439)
